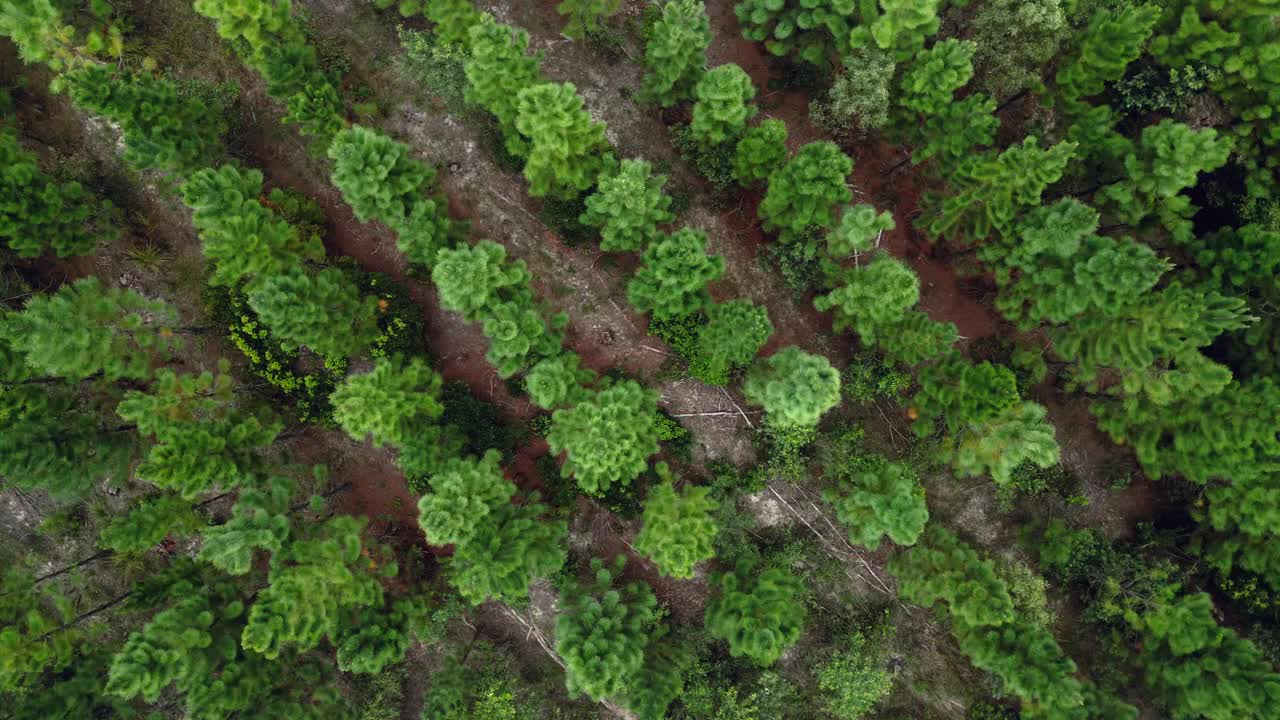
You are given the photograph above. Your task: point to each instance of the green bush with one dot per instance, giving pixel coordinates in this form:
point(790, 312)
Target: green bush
point(855, 678)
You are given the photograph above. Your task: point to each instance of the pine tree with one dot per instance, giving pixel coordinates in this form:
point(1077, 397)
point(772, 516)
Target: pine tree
point(815, 31)
point(30, 640)
point(397, 403)
point(884, 498)
point(1016, 436)
point(734, 333)
point(161, 130)
point(917, 338)
point(955, 131)
point(859, 231)
point(312, 582)
point(85, 330)
point(651, 691)
point(150, 522)
point(1112, 40)
point(673, 275)
point(675, 51)
point(201, 441)
point(794, 387)
point(679, 531)
point(989, 191)
point(608, 437)
point(567, 149)
point(963, 394)
point(478, 282)
point(1201, 669)
point(723, 106)
point(945, 568)
point(245, 240)
point(1169, 158)
point(858, 100)
point(453, 19)
point(380, 637)
point(759, 613)
point(323, 312)
point(558, 382)
point(498, 68)
point(628, 207)
point(499, 546)
point(381, 182)
point(929, 84)
point(258, 522)
point(583, 16)
point(51, 443)
point(1016, 40)
point(761, 151)
point(170, 649)
point(602, 633)
point(870, 297)
point(1029, 663)
point(804, 193)
point(39, 213)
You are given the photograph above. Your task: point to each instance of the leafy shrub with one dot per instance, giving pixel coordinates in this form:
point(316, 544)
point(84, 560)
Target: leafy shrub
point(438, 68)
point(854, 679)
point(583, 16)
point(868, 377)
point(713, 162)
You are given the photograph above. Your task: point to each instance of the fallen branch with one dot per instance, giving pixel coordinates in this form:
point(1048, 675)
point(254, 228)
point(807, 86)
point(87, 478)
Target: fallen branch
point(739, 409)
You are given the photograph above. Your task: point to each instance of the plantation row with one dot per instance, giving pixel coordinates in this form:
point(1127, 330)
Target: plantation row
point(1121, 330)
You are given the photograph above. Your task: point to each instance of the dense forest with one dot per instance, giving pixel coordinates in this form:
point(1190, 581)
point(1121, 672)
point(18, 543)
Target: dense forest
point(644, 359)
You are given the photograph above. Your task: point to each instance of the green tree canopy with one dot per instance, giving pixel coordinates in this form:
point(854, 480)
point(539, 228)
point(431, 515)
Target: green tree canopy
point(323, 311)
point(567, 149)
point(628, 207)
point(804, 193)
point(794, 387)
point(761, 151)
point(85, 329)
point(675, 51)
point(760, 614)
point(679, 531)
point(723, 108)
point(608, 437)
point(734, 333)
point(673, 275)
point(38, 212)
point(602, 633)
point(881, 498)
point(498, 68)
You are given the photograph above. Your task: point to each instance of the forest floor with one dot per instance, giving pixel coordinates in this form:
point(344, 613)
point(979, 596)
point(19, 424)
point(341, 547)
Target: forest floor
point(590, 287)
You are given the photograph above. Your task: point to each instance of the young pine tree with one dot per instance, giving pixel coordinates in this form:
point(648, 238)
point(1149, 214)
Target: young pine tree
point(805, 192)
point(583, 16)
point(673, 275)
point(761, 151)
point(608, 437)
point(679, 531)
point(759, 613)
point(602, 633)
point(567, 149)
point(794, 387)
point(39, 213)
point(628, 207)
point(723, 106)
point(498, 68)
point(734, 333)
point(675, 51)
point(879, 499)
point(323, 311)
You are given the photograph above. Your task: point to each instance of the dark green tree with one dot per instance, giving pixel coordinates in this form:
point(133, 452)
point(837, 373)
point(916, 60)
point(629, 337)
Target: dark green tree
point(322, 311)
point(805, 192)
point(39, 213)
